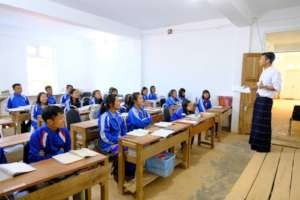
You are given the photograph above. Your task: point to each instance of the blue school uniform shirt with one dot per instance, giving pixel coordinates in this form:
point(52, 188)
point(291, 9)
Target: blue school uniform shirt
point(145, 97)
point(45, 143)
point(152, 96)
point(68, 105)
point(178, 114)
point(64, 98)
point(94, 101)
point(2, 156)
point(200, 106)
point(111, 127)
point(51, 100)
point(207, 104)
point(36, 111)
point(171, 102)
point(138, 118)
point(17, 100)
point(123, 109)
point(182, 99)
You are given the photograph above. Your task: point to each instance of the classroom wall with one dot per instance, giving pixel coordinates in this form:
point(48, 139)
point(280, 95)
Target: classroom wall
point(197, 56)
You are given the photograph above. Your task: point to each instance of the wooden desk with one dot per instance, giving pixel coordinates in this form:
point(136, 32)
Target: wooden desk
point(20, 115)
point(83, 132)
point(7, 123)
point(221, 115)
point(87, 173)
point(274, 176)
point(206, 123)
point(156, 114)
point(14, 140)
point(144, 148)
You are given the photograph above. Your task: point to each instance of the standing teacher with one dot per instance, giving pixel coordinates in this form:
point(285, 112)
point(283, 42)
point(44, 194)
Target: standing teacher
point(268, 86)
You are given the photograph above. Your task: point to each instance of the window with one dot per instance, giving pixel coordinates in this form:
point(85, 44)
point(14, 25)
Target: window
point(40, 68)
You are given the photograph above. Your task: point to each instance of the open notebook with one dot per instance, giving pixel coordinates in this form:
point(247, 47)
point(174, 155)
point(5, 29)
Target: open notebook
point(194, 117)
point(75, 155)
point(163, 124)
point(13, 169)
point(138, 132)
point(162, 133)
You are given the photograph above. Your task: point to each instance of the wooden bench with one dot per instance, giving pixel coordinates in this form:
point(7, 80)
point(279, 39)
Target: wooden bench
point(274, 176)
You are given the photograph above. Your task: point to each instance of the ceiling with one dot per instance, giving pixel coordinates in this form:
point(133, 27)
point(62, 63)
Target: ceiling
point(147, 14)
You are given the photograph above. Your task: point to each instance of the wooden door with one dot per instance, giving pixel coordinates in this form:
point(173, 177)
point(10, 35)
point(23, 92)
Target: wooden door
point(250, 76)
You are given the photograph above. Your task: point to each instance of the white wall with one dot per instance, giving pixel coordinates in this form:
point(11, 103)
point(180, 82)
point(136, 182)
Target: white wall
point(197, 56)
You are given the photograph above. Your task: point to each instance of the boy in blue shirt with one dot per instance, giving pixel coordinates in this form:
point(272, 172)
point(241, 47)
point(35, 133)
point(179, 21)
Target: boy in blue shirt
point(51, 98)
point(52, 138)
point(66, 96)
point(17, 99)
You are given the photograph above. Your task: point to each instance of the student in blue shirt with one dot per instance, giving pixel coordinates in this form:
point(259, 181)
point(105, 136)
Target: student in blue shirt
point(17, 99)
point(125, 107)
point(181, 95)
point(74, 100)
point(144, 93)
point(111, 125)
point(96, 97)
point(66, 96)
point(52, 138)
point(206, 100)
point(36, 113)
point(138, 117)
point(172, 99)
point(152, 95)
point(2, 156)
point(186, 109)
point(51, 98)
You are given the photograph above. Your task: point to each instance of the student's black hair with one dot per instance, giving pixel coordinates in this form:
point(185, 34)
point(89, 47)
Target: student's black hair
point(134, 97)
point(171, 91)
point(151, 88)
point(109, 100)
point(185, 104)
point(127, 99)
point(94, 93)
point(205, 91)
point(71, 98)
point(143, 89)
point(68, 86)
point(112, 89)
point(15, 85)
point(270, 56)
point(181, 92)
point(51, 112)
point(47, 87)
point(38, 98)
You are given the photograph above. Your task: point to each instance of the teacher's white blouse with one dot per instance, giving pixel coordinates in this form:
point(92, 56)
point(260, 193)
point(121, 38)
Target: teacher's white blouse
point(270, 77)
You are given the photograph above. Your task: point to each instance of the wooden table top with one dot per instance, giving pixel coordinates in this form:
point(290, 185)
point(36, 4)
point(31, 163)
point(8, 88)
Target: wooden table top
point(219, 110)
point(86, 124)
point(147, 139)
point(46, 170)
point(6, 121)
point(14, 140)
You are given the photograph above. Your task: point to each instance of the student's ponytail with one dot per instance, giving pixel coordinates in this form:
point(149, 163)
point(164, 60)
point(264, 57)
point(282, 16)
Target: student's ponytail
point(110, 100)
point(133, 98)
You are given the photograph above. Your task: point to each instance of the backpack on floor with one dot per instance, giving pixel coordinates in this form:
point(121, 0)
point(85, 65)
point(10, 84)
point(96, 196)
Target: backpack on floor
point(129, 169)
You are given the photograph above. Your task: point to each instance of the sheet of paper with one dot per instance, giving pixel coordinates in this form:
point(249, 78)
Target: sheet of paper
point(138, 132)
point(195, 117)
point(163, 124)
point(20, 109)
point(67, 158)
point(187, 121)
point(162, 133)
point(16, 168)
point(241, 89)
point(85, 153)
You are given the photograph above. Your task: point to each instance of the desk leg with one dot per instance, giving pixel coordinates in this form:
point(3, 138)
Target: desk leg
point(19, 129)
point(121, 167)
point(139, 173)
point(84, 139)
point(212, 138)
point(104, 186)
point(88, 194)
point(73, 138)
point(186, 153)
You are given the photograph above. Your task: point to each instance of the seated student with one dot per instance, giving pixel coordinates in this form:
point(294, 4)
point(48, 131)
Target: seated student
point(172, 99)
point(206, 100)
point(52, 138)
point(204, 103)
point(96, 97)
point(2, 156)
point(66, 96)
point(181, 95)
point(186, 109)
point(74, 101)
point(17, 99)
point(36, 113)
point(144, 93)
point(113, 91)
point(125, 107)
point(152, 95)
point(138, 117)
point(111, 125)
point(51, 98)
